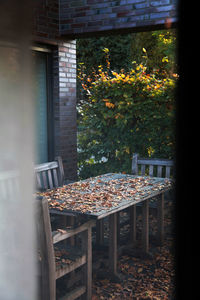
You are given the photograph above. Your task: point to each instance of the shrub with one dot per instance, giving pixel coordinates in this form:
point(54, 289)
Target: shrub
point(123, 113)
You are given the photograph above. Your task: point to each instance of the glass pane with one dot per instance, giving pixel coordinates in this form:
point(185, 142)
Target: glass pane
point(40, 93)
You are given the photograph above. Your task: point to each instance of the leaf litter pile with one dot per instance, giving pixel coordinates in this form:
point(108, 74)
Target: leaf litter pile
point(142, 278)
point(103, 193)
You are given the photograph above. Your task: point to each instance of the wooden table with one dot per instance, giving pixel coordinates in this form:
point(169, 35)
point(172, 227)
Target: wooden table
point(108, 194)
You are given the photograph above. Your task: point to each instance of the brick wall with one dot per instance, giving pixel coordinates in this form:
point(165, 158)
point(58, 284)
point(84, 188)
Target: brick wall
point(45, 25)
point(82, 17)
point(53, 19)
point(65, 106)
point(45, 30)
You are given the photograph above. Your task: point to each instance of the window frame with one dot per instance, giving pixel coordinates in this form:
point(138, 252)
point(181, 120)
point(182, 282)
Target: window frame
point(49, 93)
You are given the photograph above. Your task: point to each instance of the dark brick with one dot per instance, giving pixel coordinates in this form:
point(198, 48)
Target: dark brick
point(118, 13)
point(77, 3)
point(84, 8)
point(78, 25)
point(123, 14)
point(78, 14)
point(97, 23)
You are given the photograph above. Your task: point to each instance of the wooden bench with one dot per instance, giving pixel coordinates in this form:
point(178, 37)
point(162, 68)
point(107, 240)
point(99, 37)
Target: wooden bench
point(53, 266)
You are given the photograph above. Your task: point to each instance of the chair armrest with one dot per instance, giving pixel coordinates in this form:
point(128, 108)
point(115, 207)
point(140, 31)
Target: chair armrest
point(58, 236)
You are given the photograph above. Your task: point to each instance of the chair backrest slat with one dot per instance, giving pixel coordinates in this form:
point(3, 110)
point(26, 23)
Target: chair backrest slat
point(152, 167)
point(46, 166)
point(44, 179)
point(159, 171)
point(151, 170)
point(55, 177)
point(61, 174)
point(38, 181)
point(155, 161)
point(142, 169)
point(167, 173)
point(50, 174)
point(50, 179)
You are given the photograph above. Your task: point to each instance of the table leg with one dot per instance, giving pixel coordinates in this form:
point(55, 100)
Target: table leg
point(118, 227)
point(160, 219)
point(100, 232)
point(145, 226)
point(113, 244)
point(133, 224)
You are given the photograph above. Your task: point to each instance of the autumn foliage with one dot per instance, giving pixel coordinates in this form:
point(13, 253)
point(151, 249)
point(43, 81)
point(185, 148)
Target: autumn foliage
point(122, 113)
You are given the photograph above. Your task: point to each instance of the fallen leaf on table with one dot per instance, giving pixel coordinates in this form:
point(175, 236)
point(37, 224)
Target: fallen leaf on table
point(118, 286)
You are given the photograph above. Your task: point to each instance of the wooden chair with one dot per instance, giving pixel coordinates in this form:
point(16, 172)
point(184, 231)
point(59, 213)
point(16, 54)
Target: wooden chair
point(53, 266)
point(151, 167)
point(49, 175)
point(156, 167)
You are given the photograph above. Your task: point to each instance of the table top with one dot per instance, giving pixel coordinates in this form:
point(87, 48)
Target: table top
point(103, 195)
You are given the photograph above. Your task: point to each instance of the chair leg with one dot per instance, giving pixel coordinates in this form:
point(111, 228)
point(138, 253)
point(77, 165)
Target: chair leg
point(87, 247)
point(100, 232)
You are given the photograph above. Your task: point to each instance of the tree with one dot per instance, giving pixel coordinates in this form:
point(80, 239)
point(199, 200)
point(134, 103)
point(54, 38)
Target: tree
point(161, 48)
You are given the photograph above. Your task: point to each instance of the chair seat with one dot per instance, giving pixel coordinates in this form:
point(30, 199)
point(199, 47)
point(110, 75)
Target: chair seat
point(68, 259)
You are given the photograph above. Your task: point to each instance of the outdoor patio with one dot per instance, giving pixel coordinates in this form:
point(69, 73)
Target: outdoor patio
point(140, 278)
point(88, 149)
